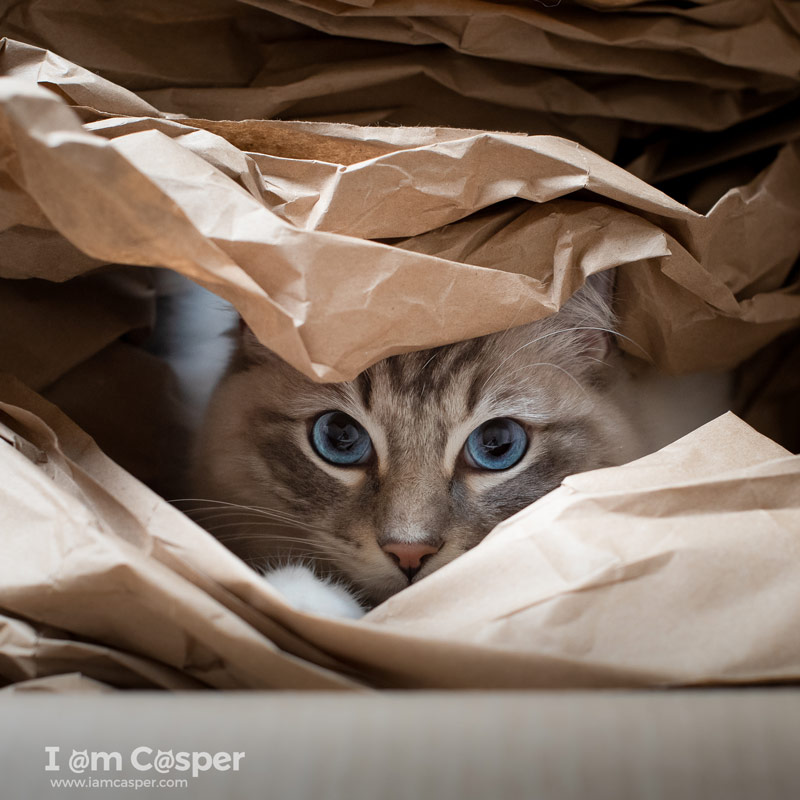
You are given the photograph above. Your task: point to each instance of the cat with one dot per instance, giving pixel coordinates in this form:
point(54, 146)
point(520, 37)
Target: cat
point(344, 494)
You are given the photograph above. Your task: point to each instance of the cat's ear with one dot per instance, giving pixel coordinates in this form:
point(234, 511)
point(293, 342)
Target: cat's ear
point(590, 314)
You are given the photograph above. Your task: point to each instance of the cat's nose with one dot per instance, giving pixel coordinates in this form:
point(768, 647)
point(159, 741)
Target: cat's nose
point(409, 557)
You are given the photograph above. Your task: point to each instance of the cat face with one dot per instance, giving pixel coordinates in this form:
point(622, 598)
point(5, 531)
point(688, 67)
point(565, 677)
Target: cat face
point(384, 479)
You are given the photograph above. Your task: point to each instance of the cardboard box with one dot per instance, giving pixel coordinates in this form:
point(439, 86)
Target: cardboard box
point(703, 745)
point(677, 570)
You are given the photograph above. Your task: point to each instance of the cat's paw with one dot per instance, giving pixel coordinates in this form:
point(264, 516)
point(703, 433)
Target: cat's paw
point(305, 591)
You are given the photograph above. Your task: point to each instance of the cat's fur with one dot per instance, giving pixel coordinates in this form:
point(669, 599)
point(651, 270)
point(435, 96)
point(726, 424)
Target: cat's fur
point(562, 378)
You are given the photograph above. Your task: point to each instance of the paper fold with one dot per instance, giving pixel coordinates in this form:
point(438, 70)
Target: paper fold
point(691, 548)
point(449, 170)
point(254, 229)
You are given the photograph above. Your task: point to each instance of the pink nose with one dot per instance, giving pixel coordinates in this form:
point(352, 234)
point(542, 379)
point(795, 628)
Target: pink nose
point(409, 556)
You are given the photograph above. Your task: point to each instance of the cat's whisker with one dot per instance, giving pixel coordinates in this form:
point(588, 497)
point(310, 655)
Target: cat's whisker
point(217, 503)
point(282, 537)
point(266, 518)
point(600, 361)
point(225, 509)
point(267, 539)
point(289, 559)
point(289, 521)
point(556, 333)
point(511, 325)
point(554, 366)
point(201, 500)
point(530, 343)
point(264, 533)
point(422, 368)
point(221, 509)
point(261, 533)
point(217, 514)
point(267, 533)
point(312, 558)
point(294, 558)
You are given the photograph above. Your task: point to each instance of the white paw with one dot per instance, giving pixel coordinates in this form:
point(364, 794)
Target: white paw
point(305, 591)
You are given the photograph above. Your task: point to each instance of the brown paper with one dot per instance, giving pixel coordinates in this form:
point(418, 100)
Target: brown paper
point(538, 98)
point(67, 682)
point(758, 39)
point(34, 654)
point(343, 243)
point(257, 234)
point(767, 389)
point(623, 568)
point(693, 547)
point(55, 328)
point(683, 69)
point(72, 517)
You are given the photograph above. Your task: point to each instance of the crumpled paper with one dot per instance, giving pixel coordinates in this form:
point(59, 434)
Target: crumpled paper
point(680, 568)
point(343, 243)
point(74, 520)
point(638, 83)
point(291, 242)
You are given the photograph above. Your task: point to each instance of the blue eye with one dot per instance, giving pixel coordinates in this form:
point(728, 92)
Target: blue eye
point(497, 444)
point(339, 439)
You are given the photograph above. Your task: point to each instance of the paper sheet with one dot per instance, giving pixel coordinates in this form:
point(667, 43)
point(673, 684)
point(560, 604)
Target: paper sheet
point(265, 232)
point(660, 572)
point(341, 244)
